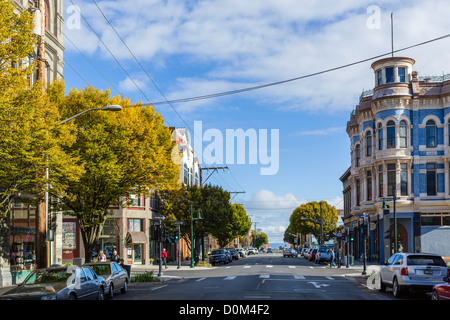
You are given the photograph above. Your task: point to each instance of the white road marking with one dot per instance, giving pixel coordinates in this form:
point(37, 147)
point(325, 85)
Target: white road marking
point(264, 276)
point(201, 279)
point(230, 278)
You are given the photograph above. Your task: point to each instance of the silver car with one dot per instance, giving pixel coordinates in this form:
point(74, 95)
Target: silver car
point(116, 277)
point(411, 271)
point(59, 283)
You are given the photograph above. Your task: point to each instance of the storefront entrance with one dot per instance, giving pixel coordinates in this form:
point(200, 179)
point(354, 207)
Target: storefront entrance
point(402, 239)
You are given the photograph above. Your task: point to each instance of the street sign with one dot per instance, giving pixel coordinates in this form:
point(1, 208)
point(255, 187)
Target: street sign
point(364, 216)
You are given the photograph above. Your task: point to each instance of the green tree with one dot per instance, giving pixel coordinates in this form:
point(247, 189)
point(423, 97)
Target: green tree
point(306, 219)
point(123, 154)
point(260, 239)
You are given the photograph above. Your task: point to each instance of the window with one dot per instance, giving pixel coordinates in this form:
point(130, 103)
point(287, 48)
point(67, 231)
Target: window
point(403, 179)
point(186, 174)
point(391, 171)
point(431, 220)
point(380, 137)
point(403, 134)
point(401, 74)
point(380, 182)
point(369, 185)
point(391, 134)
point(389, 75)
point(449, 131)
point(431, 134)
point(358, 193)
point(197, 183)
point(431, 179)
point(369, 144)
point(380, 77)
point(135, 225)
point(358, 155)
point(136, 201)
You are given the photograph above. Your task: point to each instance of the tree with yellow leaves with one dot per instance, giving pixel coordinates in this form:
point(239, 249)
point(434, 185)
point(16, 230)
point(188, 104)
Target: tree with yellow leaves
point(123, 154)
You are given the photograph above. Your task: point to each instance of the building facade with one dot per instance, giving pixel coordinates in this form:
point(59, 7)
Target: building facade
point(400, 150)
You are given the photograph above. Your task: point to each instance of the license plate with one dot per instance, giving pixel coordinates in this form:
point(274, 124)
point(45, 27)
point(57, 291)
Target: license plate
point(427, 271)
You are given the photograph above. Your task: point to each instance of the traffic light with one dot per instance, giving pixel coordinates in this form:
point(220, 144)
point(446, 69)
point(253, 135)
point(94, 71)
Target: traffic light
point(177, 236)
point(351, 235)
point(166, 232)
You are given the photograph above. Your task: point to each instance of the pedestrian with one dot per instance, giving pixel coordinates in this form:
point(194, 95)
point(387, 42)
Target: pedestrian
point(115, 257)
point(164, 257)
point(101, 256)
point(339, 258)
point(332, 258)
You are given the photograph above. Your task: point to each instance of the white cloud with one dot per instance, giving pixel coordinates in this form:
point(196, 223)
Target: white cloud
point(254, 42)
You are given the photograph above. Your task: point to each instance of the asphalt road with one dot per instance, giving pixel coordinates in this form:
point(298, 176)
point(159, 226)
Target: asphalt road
point(261, 277)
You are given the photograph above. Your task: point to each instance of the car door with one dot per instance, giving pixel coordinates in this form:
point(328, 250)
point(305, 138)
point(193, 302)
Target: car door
point(387, 270)
point(91, 284)
point(117, 276)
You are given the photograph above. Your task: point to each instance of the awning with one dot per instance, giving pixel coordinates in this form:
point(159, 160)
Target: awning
point(136, 237)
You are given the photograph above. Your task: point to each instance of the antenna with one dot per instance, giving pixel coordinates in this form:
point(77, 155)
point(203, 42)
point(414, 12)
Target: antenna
point(392, 33)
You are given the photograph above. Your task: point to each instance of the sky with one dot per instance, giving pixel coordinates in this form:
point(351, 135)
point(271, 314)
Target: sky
point(158, 51)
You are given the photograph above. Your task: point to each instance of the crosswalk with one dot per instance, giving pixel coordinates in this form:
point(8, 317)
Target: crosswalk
point(271, 276)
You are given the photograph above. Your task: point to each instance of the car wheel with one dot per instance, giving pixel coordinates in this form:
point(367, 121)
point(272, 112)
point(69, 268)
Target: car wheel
point(396, 289)
point(434, 295)
point(73, 297)
point(101, 294)
point(125, 287)
point(111, 291)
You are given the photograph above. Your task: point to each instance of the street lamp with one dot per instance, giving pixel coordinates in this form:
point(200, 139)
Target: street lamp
point(113, 107)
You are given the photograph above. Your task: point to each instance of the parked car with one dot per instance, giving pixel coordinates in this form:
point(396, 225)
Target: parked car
point(441, 291)
point(412, 272)
point(312, 254)
point(252, 251)
point(219, 256)
point(234, 253)
point(115, 276)
point(269, 250)
point(323, 254)
point(290, 253)
point(59, 283)
point(241, 252)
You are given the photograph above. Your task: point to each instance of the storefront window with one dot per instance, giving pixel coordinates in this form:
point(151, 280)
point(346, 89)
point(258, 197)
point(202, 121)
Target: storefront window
point(22, 236)
point(108, 239)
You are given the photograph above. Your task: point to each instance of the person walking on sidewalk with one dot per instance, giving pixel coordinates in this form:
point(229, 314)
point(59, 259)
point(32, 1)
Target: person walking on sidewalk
point(332, 258)
point(164, 257)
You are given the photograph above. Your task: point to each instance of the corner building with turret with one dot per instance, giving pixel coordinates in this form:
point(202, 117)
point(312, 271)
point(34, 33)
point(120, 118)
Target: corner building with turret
point(400, 150)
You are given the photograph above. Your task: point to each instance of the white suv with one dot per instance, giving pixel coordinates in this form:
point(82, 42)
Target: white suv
point(412, 271)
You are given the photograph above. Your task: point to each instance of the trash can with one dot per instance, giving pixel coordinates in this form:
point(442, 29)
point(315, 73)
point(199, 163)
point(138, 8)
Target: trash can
point(127, 268)
point(78, 261)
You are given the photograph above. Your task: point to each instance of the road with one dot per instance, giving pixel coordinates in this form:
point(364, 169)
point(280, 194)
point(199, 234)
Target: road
point(261, 277)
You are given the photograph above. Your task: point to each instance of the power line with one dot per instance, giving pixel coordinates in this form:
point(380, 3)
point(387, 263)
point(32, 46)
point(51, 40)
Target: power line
point(150, 78)
point(232, 92)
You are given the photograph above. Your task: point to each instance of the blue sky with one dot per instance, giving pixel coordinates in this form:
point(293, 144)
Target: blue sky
point(194, 48)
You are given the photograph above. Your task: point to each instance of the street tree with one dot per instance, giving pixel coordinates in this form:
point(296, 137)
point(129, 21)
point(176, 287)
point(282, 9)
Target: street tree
point(306, 219)
point(31, 138)
point(123, 154)
point(260, 239)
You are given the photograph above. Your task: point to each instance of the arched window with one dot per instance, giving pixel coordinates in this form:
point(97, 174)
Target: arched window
point(448, 127)
point(380, 137)
point(403, 134)
point(391, 134)
point(431, 134)
point(369, 143)
point(358, 155)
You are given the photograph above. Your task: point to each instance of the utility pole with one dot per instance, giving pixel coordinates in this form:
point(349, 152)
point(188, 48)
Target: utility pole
point(42, 260)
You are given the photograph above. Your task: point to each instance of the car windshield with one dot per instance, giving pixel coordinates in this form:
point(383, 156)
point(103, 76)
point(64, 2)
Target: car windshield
point(101, 269)
point(422, 260)
point(47, 276)
point(219, 251)
point(323, 250)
